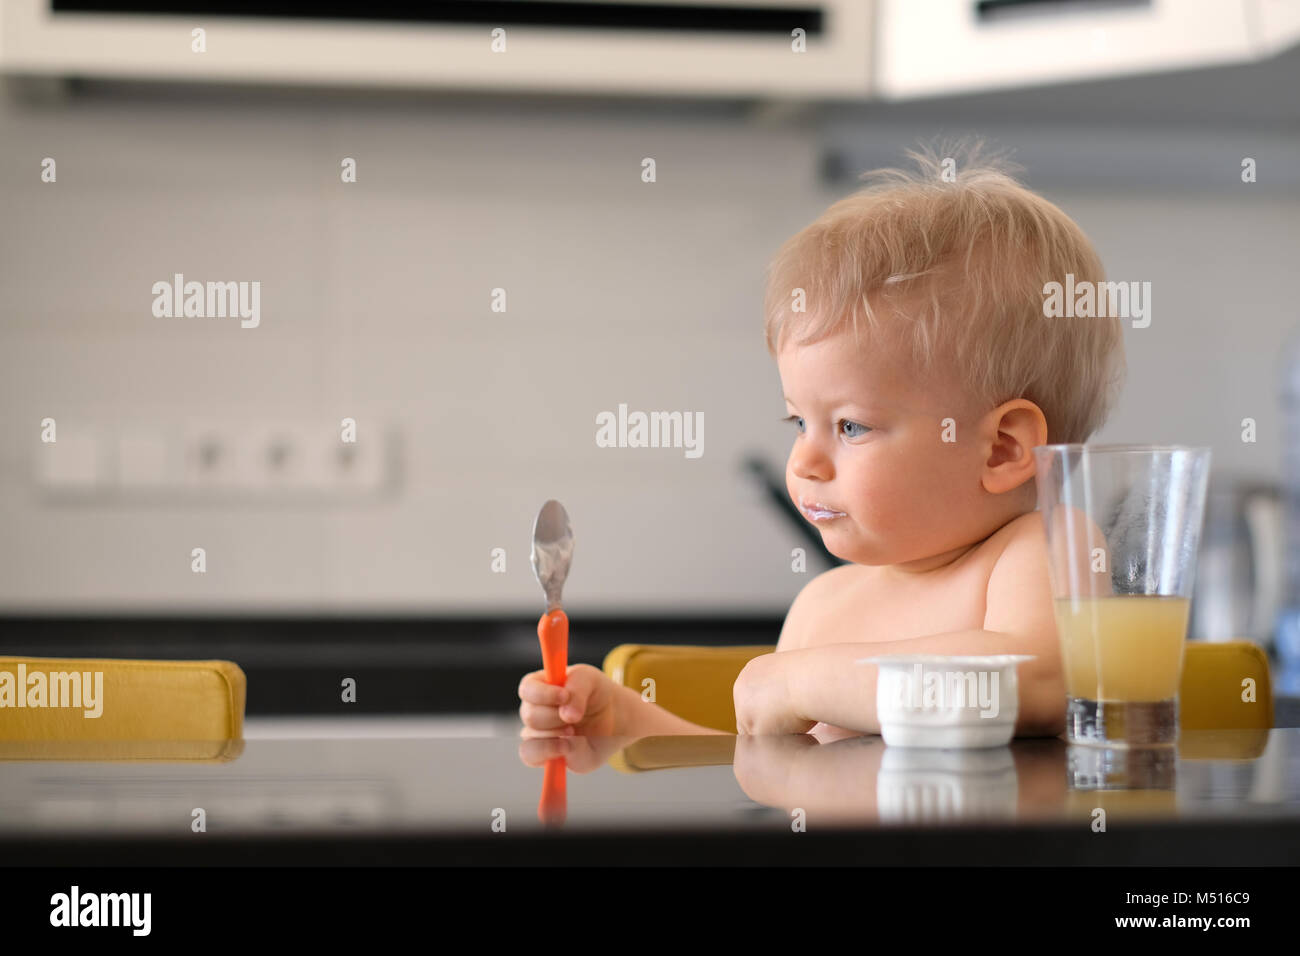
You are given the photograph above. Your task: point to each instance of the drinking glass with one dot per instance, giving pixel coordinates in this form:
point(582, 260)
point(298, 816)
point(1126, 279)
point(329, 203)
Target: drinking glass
point(1123, 524)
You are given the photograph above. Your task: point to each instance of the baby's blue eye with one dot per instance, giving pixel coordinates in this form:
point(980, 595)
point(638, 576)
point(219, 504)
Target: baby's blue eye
point(845, 423)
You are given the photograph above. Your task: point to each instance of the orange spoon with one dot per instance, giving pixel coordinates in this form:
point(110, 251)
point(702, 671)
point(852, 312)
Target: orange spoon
point(553, 632)
point(552, 554)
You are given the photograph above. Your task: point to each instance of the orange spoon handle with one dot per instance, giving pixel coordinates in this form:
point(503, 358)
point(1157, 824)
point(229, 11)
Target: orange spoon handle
point(553, 632)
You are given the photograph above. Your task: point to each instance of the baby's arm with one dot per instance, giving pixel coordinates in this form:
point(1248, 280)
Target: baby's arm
point(641, 718)
point(638, 717)
point(826, 685)
point(794, 636)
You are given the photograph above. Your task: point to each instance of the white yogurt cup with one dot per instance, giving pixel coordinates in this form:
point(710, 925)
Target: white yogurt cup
point(937, 700)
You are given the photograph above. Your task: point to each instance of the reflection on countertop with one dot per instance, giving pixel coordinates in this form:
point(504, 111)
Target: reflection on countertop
point(409, 779)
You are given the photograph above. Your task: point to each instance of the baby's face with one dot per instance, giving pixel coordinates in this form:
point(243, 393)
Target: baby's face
point(869, 447)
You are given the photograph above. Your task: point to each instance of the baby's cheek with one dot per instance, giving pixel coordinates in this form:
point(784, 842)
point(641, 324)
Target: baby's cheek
point(884, 509)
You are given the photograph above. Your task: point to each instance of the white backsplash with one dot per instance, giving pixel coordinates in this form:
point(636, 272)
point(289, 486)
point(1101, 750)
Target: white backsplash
point(375, 305)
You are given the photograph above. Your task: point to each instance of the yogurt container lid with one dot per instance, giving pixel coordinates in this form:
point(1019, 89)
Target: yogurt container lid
point(957, 660)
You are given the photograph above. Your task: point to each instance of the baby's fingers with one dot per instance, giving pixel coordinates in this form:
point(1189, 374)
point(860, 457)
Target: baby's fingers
point(533, 733)
point(535, 752)
point(541, 717)
point(533, 689)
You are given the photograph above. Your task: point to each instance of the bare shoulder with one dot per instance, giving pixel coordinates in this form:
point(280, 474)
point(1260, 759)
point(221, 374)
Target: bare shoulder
point(811, 601)
point(1024, 532)
point(1019, 551)
point(1019, 588)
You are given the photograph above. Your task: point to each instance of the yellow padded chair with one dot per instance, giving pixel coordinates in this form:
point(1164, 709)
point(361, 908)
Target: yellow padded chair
point(149, 710)
point(695, 682)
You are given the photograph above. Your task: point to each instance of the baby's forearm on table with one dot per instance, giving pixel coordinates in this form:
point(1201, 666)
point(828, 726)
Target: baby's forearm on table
point(638, 717)
point(827, 686)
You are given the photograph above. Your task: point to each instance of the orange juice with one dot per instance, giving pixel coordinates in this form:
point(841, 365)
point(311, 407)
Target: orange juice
point(1127, 648)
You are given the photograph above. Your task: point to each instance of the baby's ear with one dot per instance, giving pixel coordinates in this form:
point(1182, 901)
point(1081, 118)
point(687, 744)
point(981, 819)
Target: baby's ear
point(1017, 428)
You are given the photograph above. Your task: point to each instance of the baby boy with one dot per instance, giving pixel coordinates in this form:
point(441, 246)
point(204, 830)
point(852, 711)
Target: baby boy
point(919, 371)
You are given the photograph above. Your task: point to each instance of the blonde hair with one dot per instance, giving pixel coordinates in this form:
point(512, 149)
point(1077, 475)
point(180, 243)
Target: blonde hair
point(976, 252)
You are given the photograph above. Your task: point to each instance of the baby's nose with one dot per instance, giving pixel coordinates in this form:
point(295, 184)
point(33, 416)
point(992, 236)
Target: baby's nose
point(809, 461)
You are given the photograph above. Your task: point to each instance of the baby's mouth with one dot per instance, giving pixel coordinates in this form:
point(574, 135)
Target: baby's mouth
point(816, 511)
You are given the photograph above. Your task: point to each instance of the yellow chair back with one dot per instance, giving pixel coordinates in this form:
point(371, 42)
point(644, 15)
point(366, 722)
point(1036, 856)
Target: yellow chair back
point(1225, 685)
point(146, 710)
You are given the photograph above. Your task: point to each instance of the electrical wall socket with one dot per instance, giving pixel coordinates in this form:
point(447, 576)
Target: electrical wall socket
point(218, 460)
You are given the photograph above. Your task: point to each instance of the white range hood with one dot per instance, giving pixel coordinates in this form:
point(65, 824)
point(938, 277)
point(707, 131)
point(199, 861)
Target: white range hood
point(772, 49)
point(946, 47)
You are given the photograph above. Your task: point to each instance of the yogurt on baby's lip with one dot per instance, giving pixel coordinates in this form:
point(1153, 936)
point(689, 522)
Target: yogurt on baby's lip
point(939, 700)
point(820, 514)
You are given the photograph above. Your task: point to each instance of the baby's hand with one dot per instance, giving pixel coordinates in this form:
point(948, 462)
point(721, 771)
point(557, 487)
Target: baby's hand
point(585, 706)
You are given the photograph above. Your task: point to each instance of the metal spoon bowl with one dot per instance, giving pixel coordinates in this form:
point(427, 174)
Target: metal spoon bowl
point(552, 550)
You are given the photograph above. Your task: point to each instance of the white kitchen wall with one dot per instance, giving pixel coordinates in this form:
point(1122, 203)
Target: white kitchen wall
point(376, 306)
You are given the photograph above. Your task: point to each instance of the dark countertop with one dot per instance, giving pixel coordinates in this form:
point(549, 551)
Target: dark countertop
point(401, 665)
point(1222, 798)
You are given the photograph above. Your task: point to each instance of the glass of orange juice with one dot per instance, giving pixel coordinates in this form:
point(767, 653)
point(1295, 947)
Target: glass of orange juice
point(1123, 525)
